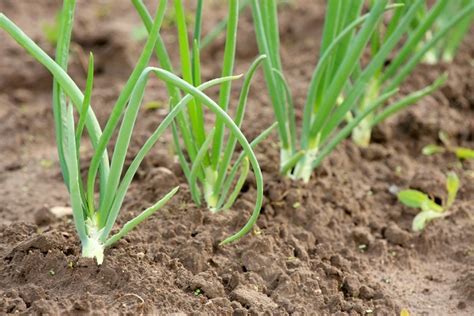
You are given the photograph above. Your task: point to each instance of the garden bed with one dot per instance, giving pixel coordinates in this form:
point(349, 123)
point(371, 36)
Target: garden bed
point(341, 244)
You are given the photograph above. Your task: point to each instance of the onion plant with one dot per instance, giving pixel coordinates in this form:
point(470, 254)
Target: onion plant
point(446, 48)
point(206, 155)
point(95, 218)
point(391, 76)
point(429, 208)
point(343, 92)
point(462, 153)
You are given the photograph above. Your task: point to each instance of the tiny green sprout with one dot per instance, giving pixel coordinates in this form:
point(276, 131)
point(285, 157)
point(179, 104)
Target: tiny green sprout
point(51, 272)
point(429, 208)
point(197, 292)
point(432, 149)
point(452, 187)
point(462, 153)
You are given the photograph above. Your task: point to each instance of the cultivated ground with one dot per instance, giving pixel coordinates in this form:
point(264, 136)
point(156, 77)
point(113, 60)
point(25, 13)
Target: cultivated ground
point(340, 245)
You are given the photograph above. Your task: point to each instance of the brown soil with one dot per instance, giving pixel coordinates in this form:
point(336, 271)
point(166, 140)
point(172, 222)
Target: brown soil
point(341, 245)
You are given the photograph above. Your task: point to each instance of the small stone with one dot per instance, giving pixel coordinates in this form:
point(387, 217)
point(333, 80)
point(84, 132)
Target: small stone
point(61, 211)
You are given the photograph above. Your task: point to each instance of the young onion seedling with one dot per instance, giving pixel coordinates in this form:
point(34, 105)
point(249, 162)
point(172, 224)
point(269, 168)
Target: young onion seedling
point(461, 153)
point(204, 155)
point(94, 219)
point(342, 94)
point(429, 208)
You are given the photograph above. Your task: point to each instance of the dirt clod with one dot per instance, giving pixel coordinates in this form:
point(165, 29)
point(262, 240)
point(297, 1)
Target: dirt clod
point(44, 217)
point(394, 234)
point(208, 284)
point(252, 298)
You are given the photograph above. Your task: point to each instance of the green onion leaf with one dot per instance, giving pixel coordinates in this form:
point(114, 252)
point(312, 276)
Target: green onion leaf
point(452, 186)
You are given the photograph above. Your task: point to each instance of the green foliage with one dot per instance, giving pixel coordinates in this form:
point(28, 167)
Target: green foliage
point(93, 222)
point(417, 199)
point(206, 155)
point(95, 219)
point(446, 48)
point(423, 218)
point(452, 187)
point(432, 149)
point(344, 96)
point(407, 57)
point(464, 153)
point(461, 153)
point(429, 208)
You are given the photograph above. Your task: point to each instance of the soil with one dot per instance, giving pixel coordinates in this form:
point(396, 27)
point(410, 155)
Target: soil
point(340, 245)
